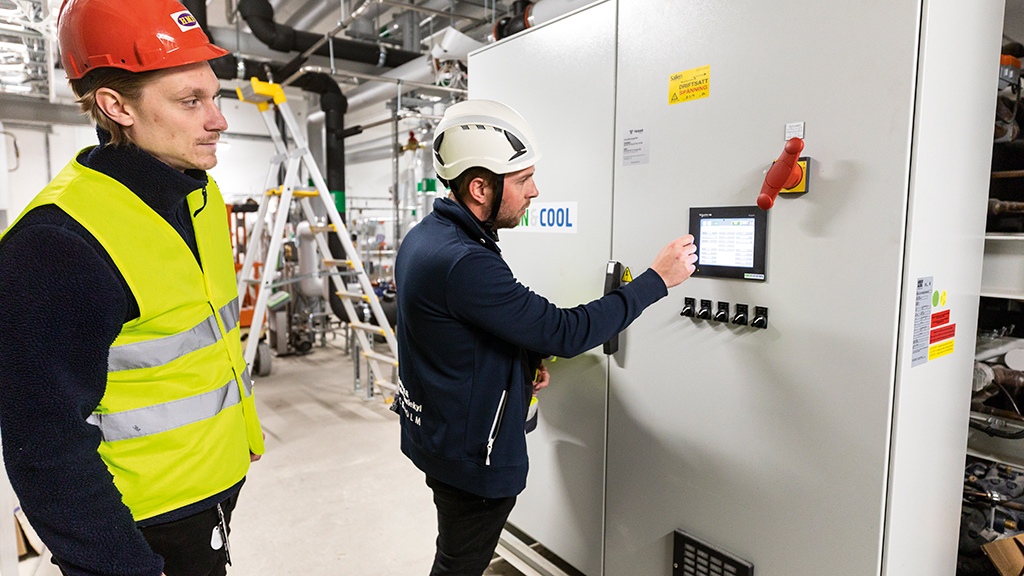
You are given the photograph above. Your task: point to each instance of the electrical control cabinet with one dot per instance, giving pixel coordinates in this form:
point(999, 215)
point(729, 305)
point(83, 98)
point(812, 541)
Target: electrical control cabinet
point(561, 78)
point(820, 428)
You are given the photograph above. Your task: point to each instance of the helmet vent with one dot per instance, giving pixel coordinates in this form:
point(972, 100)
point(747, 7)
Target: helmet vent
point(517, 145)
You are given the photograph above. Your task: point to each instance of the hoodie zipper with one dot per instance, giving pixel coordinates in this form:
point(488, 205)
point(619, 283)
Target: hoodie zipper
point(495, 426)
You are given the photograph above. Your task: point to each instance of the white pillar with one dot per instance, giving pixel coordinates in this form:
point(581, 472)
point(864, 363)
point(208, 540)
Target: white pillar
point(5, 181)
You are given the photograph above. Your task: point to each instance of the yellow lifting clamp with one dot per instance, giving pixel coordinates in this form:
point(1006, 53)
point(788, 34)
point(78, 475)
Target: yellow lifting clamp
point(261, 93)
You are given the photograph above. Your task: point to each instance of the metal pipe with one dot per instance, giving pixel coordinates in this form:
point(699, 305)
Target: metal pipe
point(311, 12)
point(375, 78)
point(996, 207)
point(344, 24)
point(431, 11)
point(395, 154)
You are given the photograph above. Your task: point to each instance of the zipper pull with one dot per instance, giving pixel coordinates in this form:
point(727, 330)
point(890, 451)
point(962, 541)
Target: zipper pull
point(490, 446)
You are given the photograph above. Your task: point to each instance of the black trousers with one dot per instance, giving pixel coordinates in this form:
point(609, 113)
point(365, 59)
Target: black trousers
point(468, 527)
point(186, 545)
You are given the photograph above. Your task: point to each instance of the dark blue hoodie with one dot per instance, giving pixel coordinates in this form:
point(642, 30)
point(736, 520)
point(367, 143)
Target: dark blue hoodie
point(466, 329)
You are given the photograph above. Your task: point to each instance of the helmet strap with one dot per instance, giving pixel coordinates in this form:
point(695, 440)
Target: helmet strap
point(499, 188)
point(499, 185)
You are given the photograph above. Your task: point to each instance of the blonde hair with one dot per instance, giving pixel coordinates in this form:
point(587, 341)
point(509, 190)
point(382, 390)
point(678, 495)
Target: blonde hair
point(127, 84)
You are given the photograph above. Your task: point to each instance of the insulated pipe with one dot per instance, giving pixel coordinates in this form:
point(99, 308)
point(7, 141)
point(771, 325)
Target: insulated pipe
point(311, 287)
point(309, 14)
point(417, 70)
point(259, 15)
point(527, 15)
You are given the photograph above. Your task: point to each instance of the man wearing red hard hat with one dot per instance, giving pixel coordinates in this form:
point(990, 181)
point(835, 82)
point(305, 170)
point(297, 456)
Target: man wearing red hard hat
point(126, 406)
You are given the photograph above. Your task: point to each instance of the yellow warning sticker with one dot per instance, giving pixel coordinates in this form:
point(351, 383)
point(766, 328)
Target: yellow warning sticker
point(626, 276)
point(689, 85)
point(940, 349)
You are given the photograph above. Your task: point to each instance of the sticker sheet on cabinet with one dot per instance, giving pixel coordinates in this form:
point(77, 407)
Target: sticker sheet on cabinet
point(689, 85)
point(635, 147)
point(934, 335)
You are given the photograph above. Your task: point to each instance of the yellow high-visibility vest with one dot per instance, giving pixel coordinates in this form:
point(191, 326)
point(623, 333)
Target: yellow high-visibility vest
point(177, 419)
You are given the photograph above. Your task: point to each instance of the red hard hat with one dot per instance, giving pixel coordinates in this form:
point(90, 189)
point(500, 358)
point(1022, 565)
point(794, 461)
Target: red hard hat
point(132, 35)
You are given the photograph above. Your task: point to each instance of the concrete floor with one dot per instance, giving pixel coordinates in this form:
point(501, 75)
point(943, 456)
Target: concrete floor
point(333, 494)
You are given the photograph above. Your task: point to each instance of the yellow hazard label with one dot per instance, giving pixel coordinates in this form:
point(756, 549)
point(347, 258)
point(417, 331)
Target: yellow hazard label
point(940, 349)
point(626, 276)
point(689, 85)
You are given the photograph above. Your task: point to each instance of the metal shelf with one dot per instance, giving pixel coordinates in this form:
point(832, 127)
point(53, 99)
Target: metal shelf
point(1004, 295)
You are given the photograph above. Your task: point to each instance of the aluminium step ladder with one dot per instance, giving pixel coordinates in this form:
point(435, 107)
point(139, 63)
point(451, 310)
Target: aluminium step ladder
point(267, 96)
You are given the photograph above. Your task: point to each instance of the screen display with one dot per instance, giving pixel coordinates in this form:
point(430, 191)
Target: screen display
point(726, 242)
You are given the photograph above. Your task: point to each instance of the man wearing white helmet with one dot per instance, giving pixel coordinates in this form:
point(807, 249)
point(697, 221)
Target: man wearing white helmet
point(470, 337)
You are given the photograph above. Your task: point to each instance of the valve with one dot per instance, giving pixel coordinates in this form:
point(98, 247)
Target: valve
point(784, 173)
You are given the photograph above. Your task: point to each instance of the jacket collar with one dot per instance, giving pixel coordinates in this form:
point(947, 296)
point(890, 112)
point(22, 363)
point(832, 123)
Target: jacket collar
point(454, 212)
point(161, 187)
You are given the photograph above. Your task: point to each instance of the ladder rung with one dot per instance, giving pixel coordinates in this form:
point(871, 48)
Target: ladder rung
point(337, 263)
point(367, 327)
point(386, 384)
point(297, 192)
point(381, 357)
point(252, 281)
point(353, 296)
point(319, 229)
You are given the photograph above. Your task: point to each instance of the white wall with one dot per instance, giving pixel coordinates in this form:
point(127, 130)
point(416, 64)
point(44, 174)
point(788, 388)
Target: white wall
point(243, 162)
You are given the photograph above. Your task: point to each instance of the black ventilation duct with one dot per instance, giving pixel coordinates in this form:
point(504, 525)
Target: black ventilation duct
point(259, 15)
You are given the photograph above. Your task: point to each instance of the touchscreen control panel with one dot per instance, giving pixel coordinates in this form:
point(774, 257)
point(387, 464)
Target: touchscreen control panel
point(731, 241)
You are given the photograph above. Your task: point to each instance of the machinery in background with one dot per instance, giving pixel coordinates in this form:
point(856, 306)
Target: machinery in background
point(347, 276)
point(993, 509)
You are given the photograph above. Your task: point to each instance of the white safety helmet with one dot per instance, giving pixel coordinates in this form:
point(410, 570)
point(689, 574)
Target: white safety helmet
point(485, 134)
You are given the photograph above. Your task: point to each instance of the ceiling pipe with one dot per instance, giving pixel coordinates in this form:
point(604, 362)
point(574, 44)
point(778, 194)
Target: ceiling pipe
point(453, 46)
point(387, 79)
point(259, 15)
point(525, 14)
point(405, 78)
point(310, 14)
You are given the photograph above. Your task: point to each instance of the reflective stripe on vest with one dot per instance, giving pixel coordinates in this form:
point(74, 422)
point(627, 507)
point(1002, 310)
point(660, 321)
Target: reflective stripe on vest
point(160, 351)
point(159, 418)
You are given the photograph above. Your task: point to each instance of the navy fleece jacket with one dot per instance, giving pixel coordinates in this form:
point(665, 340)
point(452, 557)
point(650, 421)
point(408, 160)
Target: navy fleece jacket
point(62, 303)
point(465, 331)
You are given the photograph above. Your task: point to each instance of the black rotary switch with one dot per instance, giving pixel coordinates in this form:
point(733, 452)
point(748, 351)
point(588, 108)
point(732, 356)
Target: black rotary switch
point(760, 317)
point(722, 315)
point(740, 319)
point(705, 310)
point(689, 305)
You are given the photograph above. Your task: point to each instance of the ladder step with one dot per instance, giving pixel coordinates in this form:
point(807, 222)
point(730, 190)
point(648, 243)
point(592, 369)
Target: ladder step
point(354, 296)
point(381, 357)
point(338, 263)
point(296, 192)
point(385, 384)
point(367, 327)
point(319, 229)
